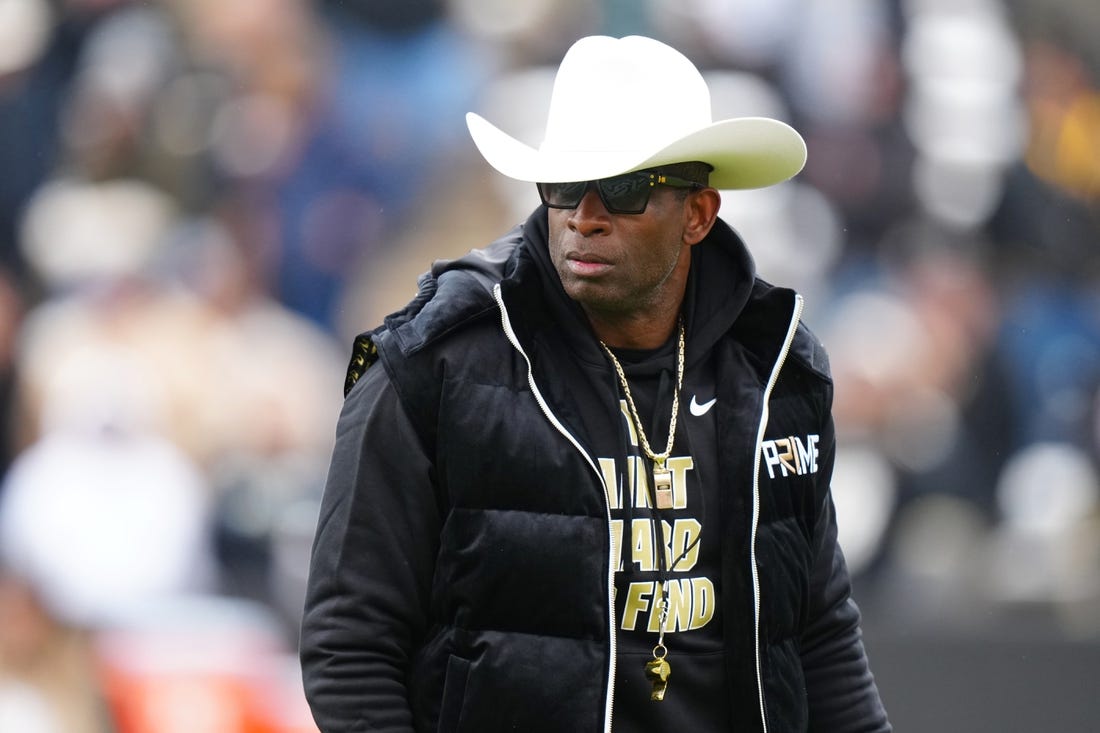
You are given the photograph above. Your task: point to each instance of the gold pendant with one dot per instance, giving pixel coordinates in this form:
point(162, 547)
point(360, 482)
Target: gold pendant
point(662, 487)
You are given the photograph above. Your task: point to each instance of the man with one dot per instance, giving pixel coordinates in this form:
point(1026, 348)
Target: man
point(581, 482)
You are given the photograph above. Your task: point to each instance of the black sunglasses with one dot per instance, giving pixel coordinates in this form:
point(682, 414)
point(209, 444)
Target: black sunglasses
point(625, 194)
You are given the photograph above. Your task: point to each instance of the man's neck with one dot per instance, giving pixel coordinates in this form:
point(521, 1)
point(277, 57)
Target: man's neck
point(635, 332)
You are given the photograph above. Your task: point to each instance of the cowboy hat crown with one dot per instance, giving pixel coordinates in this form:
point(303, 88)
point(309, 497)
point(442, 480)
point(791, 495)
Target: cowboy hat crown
point(623, 104)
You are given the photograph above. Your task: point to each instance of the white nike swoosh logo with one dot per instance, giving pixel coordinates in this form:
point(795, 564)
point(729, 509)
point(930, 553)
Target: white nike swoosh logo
point(700, 410)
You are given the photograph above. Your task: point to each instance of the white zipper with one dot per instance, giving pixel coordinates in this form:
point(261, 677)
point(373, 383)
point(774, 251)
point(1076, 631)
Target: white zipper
point(506, 324)
point(764, 413)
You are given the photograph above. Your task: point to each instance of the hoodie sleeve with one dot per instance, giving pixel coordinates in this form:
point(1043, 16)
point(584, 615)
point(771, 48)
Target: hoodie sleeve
point(370, 574)
point(841, 691)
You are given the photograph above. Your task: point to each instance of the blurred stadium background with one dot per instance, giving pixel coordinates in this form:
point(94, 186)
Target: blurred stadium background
point(202, 202)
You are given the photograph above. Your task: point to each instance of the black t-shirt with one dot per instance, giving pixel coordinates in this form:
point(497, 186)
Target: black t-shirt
point(695, 697)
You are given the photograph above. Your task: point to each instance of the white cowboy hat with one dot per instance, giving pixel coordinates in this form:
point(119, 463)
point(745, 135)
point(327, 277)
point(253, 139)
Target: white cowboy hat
point(623, 104)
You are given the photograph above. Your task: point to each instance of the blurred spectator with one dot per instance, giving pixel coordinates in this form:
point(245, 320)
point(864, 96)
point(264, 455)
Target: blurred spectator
point(164, 326)
point(47, 676)
point(94, 519)
point(102, 516)
point(366, 149)
point(1049, 224)
point(40, 51)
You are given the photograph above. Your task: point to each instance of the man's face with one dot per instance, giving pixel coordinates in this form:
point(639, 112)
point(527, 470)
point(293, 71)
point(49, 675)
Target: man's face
point(621, 266)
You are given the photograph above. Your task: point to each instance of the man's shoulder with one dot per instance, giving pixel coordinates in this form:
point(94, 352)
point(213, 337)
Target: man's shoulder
point(809, 350)
point(770, 308)
point(452, 299)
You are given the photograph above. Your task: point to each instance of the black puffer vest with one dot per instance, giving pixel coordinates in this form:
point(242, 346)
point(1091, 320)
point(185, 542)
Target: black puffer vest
point(523, 634)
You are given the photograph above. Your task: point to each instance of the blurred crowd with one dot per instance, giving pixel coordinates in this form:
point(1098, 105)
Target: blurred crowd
point(202, 202)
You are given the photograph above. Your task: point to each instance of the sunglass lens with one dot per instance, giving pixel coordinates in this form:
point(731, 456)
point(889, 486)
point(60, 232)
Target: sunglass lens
point(626, 194)
point(562, 195)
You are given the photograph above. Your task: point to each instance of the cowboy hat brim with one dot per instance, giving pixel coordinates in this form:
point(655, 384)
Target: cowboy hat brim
point(746, 152)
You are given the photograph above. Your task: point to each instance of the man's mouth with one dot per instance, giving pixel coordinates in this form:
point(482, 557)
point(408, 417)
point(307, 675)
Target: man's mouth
point(585, 265)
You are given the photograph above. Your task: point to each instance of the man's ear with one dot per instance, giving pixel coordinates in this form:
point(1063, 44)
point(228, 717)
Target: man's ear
point(700, 212)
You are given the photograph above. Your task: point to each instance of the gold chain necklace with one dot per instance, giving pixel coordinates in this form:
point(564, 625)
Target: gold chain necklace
point(662, 477)
point(658, 669)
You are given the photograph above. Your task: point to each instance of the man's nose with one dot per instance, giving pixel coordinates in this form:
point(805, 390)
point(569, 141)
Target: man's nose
point(591, 216)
